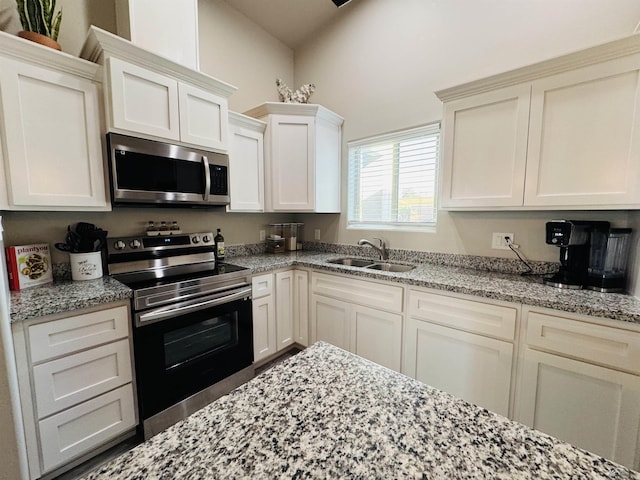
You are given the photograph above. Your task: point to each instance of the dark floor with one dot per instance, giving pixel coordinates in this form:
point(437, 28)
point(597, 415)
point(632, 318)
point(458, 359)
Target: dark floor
point(119, 449)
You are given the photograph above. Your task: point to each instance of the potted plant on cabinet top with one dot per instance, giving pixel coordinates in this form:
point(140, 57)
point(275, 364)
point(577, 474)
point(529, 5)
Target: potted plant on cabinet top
point(39, 22)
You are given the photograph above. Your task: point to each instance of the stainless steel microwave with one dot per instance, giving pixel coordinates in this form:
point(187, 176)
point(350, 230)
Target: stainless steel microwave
point(146, 172)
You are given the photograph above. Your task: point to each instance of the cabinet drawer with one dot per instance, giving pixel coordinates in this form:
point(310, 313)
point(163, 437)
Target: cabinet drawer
point(68, 335)
point(370, 294)
point(582, 340)
point(86, 426)
point(477, 317)
point(67, 381)
point(262, 285)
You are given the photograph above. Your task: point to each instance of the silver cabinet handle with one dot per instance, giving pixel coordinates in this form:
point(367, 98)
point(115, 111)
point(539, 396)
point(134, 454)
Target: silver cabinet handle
point(192, 306)
point(207, 178)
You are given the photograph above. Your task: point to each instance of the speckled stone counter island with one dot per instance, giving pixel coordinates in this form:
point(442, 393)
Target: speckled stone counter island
point(528, 290)
point(326, 413)
point(65, 295)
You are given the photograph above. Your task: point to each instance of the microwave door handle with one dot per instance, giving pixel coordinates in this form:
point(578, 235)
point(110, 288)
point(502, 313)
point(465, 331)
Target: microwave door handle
point(207, 178)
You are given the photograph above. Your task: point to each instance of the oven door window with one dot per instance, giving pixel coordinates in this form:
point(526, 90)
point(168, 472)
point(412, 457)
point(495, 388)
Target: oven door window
point(205, 337)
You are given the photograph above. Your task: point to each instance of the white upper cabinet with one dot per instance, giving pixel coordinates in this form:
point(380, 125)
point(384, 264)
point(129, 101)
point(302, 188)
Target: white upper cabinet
point(153, 97)
point(485, 144)
point(142, 101)
point(584, 139)
point(302, 157)
point(51, 130)
point(246, 163)
point(563, 133)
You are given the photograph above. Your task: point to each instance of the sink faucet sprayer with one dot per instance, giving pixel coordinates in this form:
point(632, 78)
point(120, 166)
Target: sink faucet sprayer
point(382, 249)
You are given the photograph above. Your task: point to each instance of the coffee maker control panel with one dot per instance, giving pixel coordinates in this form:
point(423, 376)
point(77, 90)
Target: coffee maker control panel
point(564, 233)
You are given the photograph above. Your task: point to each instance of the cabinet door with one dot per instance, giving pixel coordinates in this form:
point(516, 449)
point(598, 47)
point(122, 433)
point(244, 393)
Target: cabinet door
point(472, 367)
point(376, 336)
point(290, 163)
point(264, 328)
point(583, 141)
point(246, 170)
point(485, 148)
point(85, 427)
point(52, 139)
point(204, 117)
point(301, 307)
point(592, 407)
point(284, 309)
point(143, 101)
point(330, 321)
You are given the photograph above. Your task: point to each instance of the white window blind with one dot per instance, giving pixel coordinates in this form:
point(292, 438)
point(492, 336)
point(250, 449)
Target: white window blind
point(392, 178)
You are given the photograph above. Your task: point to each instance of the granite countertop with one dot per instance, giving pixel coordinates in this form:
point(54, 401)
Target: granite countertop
point(327, 413)
point(65, 295)
point(528, 290)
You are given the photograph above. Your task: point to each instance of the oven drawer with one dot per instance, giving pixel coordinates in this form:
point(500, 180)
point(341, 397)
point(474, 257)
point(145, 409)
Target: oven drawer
point(67, 381)
point(71, 334)
point(84, 427)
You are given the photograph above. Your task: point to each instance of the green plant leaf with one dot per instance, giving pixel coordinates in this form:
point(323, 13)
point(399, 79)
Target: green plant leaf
point(55, 28)
point(39, 16)
point(22, 12)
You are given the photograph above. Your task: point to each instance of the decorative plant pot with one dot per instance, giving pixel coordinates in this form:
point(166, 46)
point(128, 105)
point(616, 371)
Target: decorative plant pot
point(39, 38)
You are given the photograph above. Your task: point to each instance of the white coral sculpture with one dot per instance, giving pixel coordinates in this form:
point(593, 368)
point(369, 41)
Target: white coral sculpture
point(299, 96)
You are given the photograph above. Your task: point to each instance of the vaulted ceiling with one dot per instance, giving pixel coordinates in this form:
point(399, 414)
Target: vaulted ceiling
point(290, 21)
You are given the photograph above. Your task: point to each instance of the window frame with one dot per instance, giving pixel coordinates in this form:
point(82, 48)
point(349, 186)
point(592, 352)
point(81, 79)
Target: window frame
point(395, 138)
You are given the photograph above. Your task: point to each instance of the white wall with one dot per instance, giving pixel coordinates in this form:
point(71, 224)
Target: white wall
point(236, 50)
point(380, 63)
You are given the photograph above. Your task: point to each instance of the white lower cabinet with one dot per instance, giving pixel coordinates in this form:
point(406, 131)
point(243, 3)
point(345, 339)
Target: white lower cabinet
point(580, 382)
point(264, 317)
point(301, 307)
point(339, 317)
point(75, 381)
point(462, 346)
point(77, 430)
point(280, 316)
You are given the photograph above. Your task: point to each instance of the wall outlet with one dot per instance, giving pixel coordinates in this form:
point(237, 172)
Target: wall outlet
point(498, 242)
point(263, 235)
point(316, 234)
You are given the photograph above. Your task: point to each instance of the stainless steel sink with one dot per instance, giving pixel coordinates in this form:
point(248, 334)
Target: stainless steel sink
point(372, 264)
point(352, 262)
point(390, 267)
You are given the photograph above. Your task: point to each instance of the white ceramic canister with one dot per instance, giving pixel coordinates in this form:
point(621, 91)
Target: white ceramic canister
point(86, 266)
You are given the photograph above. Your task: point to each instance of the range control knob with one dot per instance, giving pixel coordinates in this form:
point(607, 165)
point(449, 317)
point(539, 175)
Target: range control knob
point(195, 239)
point(119, 245)
point(206, 239)
point(135, 243)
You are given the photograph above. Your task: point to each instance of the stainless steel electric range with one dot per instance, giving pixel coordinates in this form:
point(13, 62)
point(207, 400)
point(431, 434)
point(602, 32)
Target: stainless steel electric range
point(192, 323)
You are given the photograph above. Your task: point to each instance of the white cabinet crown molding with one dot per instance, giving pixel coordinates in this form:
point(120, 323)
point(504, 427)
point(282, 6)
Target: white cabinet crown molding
point(582, 58)
point(27, 51)
point(281, 108)
point(101, 44)
point(244, 121)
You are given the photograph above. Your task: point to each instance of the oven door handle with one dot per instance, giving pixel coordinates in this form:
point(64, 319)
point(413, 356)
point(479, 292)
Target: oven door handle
point(192, 306)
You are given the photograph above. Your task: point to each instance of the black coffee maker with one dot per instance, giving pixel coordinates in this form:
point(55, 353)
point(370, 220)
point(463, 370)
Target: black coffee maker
point(574, 239)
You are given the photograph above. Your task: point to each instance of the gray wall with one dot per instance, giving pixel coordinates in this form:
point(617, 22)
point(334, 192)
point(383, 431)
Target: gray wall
point(380, 63)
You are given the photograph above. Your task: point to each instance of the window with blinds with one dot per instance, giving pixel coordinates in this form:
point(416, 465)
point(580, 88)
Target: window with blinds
point(392, 179)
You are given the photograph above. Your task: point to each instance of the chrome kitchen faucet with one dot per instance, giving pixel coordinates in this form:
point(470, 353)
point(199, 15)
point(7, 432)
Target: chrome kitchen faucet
point(382, 249)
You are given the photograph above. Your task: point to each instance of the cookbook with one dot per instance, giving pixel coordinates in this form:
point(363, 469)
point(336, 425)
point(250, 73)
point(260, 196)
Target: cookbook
point(28, 265)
